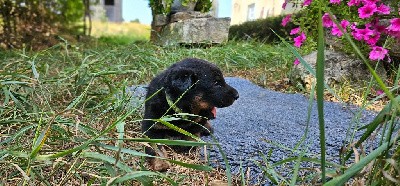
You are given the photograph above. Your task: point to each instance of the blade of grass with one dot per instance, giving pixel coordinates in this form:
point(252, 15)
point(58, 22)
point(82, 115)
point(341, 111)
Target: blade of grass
point(108, 159)
point(24, 174)
point(297, 165)
point(17, 134)
point(355, 168)
point(120, 141)
point(171, 142)
point(164, 121)
point(297, 168)
point(241, 171)
point(140, 154)
point(309, 110)
point(372, 126)
point(137, 174)
point(225, 158)
point(320, 92)
point(306, 159)
point(111, 160)
point(86, 143)
point(89, 141)
point(43, 136)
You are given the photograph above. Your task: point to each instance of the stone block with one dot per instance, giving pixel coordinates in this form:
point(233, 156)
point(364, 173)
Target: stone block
point(339, 67)
point(207, 30)
point(181, 16)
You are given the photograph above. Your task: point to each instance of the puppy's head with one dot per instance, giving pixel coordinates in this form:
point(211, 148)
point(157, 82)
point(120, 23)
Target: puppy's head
point(202, 85)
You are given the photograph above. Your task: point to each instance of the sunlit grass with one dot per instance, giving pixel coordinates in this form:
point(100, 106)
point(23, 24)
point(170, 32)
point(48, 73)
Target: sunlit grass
point(120, 33)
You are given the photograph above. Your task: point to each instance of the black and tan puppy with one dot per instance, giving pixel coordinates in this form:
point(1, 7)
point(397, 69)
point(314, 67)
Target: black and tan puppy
point(200, 87)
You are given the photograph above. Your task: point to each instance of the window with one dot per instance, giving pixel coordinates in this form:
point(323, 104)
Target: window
point(251, 12)
point(108, 2)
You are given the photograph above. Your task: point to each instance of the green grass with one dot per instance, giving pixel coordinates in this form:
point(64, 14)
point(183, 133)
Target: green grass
point(121, 40)
point(120, 33)
point(61, 123)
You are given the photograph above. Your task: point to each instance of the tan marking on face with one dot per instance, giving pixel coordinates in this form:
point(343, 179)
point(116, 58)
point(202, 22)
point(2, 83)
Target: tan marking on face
point(199, 104)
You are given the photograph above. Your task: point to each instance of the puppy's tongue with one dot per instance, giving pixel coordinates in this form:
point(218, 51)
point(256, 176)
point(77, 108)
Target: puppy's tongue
point(214, 111)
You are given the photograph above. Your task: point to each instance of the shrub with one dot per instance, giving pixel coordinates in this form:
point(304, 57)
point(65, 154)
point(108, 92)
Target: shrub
point(35, 23)
point(261, 29)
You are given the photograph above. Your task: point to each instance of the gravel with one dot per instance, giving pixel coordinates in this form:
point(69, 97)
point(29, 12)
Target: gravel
point(260, 116)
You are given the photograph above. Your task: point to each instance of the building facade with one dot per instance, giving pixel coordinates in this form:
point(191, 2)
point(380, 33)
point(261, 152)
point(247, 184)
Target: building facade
point(107, 10)
point(249, 10)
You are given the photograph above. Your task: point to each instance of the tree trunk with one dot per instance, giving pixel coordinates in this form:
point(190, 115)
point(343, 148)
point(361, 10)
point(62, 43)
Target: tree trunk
point(87, 30)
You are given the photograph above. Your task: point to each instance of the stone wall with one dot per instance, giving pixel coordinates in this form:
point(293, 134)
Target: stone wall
point(190, 28)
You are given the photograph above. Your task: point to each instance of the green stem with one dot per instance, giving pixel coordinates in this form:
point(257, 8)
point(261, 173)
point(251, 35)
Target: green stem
point(320, 93)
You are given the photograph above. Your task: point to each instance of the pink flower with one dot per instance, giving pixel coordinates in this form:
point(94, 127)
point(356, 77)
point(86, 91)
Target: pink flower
point(326, 21)
point(296, 62)
point(376, 26)
point(335, 1)
point(379, 92)
point(307, 2)
point(353, 26)
point(367, 11)
point(362, 34)
point(374, 39)
point(298, 41)
point(295, 31)
point(344, 23)
point(286, 20)
point(377, 53)
point(394, 25)
point(383, 9)
point(336, 31)
point(353, 3)
point(370, 1)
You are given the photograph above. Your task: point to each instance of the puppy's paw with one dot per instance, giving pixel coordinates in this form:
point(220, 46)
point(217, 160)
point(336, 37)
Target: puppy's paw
point(159, 165)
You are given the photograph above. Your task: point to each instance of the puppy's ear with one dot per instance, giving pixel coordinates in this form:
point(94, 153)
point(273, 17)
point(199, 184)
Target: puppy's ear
point(181, 79)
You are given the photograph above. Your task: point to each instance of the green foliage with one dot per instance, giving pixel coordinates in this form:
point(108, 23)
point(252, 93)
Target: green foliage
point(164, 6)
point(261, 30)
point(34, 23)
point(135, 21)
point(203, 5)
point(71, 10)
point(122, 39)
